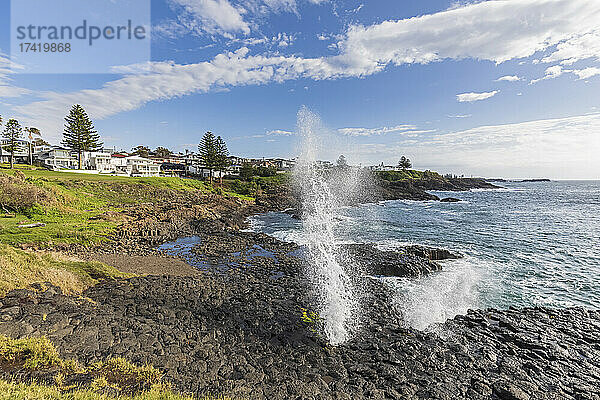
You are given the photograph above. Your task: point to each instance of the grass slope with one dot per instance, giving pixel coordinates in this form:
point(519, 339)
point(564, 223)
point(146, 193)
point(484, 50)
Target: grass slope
point(19, 269)
point(409, 174)
point(79, 208)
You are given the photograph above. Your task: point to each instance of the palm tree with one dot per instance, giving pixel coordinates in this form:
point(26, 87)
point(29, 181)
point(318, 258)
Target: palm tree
point(31, 132)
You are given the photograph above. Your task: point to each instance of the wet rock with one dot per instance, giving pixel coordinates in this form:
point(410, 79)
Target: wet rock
point(449, 200)
point(408, 261)
point(239, 332)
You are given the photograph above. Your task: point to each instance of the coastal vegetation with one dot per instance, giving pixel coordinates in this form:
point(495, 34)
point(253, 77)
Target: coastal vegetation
point(33, 391)
point(213, 154)
point(408, 174)
point(404, 163)
point(81, 208)
point(65, 379)
point(20, 269)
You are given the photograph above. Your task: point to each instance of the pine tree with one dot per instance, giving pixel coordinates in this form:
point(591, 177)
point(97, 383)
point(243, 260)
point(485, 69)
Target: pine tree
point(162, 152)
point(79, 134)
point(141, 150)
point(207, 150)
point(221, 157)
point(12, 135)
point(404, 163)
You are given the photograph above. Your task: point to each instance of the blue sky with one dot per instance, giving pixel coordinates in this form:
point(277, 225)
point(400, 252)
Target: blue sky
point(495, 88)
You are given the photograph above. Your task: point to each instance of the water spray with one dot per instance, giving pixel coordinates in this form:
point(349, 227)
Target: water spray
point(331, 283)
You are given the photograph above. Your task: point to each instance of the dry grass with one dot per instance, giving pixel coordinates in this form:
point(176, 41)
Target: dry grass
point(14, 391)
point(115, 375)
point(20, 268)
point(17, 196)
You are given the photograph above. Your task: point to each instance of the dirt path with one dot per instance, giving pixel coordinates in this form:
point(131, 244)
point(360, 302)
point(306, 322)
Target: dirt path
point(147, 264)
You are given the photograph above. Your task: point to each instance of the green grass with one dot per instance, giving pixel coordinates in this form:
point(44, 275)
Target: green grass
point(74, 206)
point(20, 268)
point(408, 174)
point(32, 354)
point(248, 190)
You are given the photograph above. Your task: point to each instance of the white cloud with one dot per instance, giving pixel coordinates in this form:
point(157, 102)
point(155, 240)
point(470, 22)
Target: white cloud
point(539, 148)
point(282, 5)
point(13, 91)
point(280, 132)
point(508, 78)
point(579, 47)
point(281, 40)
point(213, 17)
point(485, 31)
point(460, 116)
point(560, 148)
point(376, 131)
point(284, 40)
point(170, 29)
point(7, 68)
point(470, 97)
point(551, 72)
point(587, 72)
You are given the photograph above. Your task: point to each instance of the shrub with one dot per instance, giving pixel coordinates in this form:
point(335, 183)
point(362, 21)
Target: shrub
point(123, 374)
point(30, 353)
point(40, 355)
point(20, 196)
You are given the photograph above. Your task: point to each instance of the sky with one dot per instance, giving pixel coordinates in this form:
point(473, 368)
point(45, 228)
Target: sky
point(501, 88)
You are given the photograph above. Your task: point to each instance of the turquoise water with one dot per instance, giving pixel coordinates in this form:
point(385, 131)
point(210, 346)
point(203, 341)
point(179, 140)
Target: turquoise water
point(525, 245)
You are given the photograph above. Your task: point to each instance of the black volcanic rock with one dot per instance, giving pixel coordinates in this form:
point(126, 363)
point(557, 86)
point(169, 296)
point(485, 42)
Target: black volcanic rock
point(408, 261)
point(242, 335)
point(449, 200)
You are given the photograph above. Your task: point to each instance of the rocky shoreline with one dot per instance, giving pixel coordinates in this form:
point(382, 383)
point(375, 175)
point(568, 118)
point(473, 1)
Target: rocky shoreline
point(374, 189)
point(234, 325)
point(240, 332)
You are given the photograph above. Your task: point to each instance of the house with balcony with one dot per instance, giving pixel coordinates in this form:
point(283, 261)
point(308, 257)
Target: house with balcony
point(57, 158)
point(119, 164)
point(20, 156)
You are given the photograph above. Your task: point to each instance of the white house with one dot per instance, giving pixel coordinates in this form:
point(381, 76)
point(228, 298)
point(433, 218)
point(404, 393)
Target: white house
point(382, 167)
point(20, 156)
point(98, 161)
point(202, 171)
point(57, 158)
point(117, 164)
point(140, 166)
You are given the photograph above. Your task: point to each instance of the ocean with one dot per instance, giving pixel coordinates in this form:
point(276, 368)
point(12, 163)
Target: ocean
point(528, 244)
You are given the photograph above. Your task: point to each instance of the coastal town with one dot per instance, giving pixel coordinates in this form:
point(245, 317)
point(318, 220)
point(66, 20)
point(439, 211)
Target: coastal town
point(26, 146)
point(110, 161)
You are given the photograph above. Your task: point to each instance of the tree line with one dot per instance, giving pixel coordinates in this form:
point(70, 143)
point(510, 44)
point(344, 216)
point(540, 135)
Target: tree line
point(403, 163)
point(79, 135)
point(13, 133)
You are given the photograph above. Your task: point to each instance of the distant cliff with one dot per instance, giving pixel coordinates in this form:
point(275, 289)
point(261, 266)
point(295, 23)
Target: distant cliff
point(376, 186)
